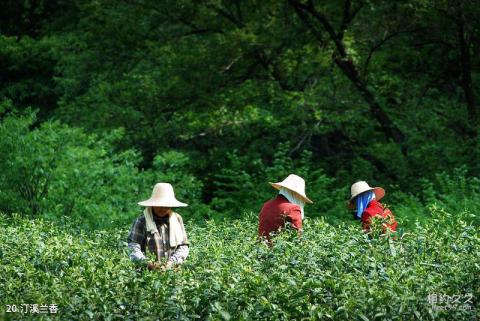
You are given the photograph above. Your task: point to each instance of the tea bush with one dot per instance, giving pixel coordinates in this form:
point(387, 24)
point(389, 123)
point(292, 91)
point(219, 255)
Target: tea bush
point(332, 273)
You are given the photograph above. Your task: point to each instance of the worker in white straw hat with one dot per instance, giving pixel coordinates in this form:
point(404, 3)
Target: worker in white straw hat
point(286, 208)
point(365, 201)
point(159, 230)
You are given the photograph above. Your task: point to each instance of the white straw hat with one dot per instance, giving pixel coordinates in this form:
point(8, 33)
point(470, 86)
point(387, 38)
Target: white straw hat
point(162, 196)
point(294, 183)
point(362, 186)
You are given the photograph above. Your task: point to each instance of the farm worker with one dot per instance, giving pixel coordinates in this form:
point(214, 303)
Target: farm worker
point(365, 200)
point(159, 230)
point(286, 208)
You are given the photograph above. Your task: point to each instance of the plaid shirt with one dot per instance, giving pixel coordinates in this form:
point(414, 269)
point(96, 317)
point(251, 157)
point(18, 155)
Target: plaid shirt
point(139, 240)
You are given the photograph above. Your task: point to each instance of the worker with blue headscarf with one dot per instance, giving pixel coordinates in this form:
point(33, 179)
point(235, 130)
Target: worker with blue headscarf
point(365, 201)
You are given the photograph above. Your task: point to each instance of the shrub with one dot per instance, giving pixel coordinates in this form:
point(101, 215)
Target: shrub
point(454, 190)
point(56, 171)
point(243, 183)
point(238, 185)
point(176, 168)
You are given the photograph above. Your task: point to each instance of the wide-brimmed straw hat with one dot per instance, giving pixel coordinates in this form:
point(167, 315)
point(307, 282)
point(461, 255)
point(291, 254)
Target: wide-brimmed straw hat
point(361, 187)
point(295, 184)
point(162, 196)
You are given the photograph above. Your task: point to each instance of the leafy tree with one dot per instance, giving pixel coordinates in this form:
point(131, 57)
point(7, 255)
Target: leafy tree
point(381, 90)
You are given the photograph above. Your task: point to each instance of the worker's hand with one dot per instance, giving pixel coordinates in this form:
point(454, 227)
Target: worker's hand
point(166, 266)
point(153, 266)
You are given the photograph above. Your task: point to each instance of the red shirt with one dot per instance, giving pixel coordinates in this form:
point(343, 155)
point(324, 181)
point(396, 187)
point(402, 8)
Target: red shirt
point(275, 213)
point(375, 208)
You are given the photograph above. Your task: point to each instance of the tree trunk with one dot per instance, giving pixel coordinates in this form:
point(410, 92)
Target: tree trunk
point(387, 126)
point(466, 71)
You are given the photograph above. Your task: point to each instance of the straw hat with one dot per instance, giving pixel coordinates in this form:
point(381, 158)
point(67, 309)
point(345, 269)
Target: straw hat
point(162, 196)
point(295, 184)
point(362, 186)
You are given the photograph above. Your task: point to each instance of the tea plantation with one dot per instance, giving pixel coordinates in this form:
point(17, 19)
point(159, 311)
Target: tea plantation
point(331, 273)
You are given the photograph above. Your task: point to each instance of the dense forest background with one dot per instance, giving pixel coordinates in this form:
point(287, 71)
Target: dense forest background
point(100, 99)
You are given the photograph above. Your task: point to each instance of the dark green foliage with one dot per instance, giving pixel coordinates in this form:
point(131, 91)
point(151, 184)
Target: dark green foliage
point(62, 173)
point(383, 91)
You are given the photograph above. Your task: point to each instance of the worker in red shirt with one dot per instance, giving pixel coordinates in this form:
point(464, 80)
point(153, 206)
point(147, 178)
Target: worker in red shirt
point(286, 208)
point(365, 200)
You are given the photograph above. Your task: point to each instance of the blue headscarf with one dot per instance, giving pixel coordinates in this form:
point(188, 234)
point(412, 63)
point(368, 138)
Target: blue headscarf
point(362, 201)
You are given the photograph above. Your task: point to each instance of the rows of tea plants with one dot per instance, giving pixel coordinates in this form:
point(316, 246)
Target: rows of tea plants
point(331, 273)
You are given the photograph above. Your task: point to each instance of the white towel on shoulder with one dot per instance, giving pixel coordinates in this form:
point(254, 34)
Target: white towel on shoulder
point(294, 199)
point(177, 234)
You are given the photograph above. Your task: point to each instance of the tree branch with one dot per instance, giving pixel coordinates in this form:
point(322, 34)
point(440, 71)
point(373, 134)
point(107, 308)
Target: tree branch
point(381, 43)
